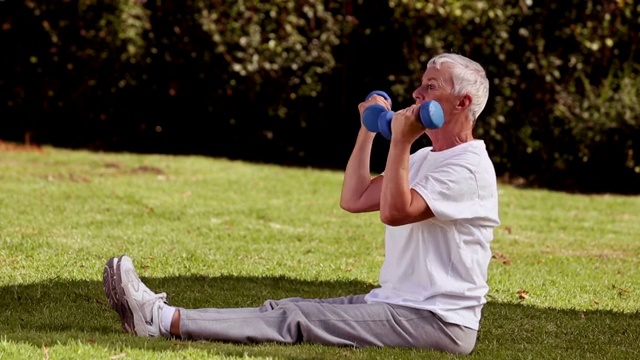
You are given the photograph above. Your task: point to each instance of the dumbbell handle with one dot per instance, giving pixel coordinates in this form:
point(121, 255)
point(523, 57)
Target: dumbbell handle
point(376, 118)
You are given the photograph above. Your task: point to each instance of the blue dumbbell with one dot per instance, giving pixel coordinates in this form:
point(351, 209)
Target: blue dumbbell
point(378, 119)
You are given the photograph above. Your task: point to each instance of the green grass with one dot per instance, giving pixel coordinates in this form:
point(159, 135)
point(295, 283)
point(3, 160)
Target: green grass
point(220, 233)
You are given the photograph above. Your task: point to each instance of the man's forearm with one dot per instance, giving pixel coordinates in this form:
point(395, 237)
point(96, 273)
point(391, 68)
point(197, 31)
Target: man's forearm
point(357, 176)
point(395, 197)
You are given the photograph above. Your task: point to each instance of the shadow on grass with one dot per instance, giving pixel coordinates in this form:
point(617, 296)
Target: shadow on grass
point(76, 312)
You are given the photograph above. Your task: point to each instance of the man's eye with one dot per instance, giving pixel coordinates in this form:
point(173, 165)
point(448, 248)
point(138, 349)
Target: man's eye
point(431, 87)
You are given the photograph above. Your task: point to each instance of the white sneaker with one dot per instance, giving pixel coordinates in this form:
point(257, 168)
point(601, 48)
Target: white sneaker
point(140, 309)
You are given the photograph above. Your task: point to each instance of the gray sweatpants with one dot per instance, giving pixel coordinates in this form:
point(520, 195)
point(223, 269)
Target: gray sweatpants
point(344, 321)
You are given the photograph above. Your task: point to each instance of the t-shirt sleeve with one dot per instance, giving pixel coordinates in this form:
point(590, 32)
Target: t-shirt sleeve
point(452, 192)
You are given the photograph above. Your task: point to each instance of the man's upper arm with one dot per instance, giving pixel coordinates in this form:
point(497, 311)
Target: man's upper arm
point(369, 200)
point(452, 194)
point(419, 209)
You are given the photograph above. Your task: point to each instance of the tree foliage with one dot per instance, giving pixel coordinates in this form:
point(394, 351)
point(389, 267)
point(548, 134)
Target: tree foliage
point(220, 77)
point(564, 79)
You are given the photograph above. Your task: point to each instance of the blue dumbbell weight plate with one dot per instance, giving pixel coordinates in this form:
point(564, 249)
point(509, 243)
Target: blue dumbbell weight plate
point(381, 93)
point(431, 115)
point(372, 112)
point(370, 116)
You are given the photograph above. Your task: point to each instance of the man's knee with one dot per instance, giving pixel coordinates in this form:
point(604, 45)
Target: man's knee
point(273, 304)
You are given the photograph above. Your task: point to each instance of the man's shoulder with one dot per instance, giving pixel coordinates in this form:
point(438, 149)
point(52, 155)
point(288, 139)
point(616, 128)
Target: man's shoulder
point(422, 151)
point(471, 152)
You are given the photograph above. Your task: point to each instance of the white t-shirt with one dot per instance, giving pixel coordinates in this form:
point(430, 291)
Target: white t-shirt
point(441, 264)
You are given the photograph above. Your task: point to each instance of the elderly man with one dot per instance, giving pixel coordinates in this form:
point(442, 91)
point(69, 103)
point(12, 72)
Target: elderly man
point(439, 205)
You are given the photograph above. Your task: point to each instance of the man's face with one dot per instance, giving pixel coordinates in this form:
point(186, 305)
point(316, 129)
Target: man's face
point(437, 85)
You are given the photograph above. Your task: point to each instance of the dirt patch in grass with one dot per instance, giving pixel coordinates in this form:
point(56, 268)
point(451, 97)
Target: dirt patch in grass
point(13, 147)
point(147, 169)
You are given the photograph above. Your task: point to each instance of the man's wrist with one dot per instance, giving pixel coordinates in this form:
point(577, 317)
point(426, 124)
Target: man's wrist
point(400, 145)
point(366, 133)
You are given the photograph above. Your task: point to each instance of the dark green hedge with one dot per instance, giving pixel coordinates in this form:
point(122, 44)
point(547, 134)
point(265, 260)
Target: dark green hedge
point(221, 78)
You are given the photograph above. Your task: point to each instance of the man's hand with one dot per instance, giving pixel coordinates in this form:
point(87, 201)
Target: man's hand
point(405, 125)
point(375, 99)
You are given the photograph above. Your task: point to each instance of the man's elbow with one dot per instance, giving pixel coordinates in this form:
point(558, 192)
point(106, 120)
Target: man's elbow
point(346, 207)
point(358, 206)
point(392, 218)
point(349, 206)
point(398, 217)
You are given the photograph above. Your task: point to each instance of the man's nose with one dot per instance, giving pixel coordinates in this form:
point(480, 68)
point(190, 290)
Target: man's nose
point(417, 95)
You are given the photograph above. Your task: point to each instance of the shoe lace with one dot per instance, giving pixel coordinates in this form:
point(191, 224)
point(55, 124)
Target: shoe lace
point(150, 308)
point(160, 296)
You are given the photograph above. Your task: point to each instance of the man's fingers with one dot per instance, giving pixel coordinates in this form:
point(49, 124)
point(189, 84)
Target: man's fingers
point(377, 99)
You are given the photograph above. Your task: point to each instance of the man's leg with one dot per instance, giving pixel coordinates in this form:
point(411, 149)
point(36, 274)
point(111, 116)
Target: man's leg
point(141, 309)
point(272, 304)
point(267, 306)
point(343, 321)
point(360, 325)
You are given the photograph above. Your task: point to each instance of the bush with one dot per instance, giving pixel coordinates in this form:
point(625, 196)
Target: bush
point(564, 83)
point(220, 78)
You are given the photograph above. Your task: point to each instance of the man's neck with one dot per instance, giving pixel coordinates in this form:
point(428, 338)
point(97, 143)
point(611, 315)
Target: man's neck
point(441, 143)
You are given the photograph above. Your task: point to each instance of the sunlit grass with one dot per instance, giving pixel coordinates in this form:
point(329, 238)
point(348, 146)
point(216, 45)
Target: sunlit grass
point(213, 232)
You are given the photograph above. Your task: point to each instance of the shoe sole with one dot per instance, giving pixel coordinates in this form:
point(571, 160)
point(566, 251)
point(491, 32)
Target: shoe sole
point(112, 283)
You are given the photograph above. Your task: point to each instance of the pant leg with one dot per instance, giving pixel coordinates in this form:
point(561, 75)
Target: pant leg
point(355, 324)
point(272, 304)
point(344, 300)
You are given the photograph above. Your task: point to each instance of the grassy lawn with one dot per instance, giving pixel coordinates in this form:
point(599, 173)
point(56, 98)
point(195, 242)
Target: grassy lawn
point(565, 279)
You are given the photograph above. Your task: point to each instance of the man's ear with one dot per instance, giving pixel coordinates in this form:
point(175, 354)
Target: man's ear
point(464, 102)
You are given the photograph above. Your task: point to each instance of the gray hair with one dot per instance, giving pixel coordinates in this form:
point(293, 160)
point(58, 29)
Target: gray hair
point(468, 78)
